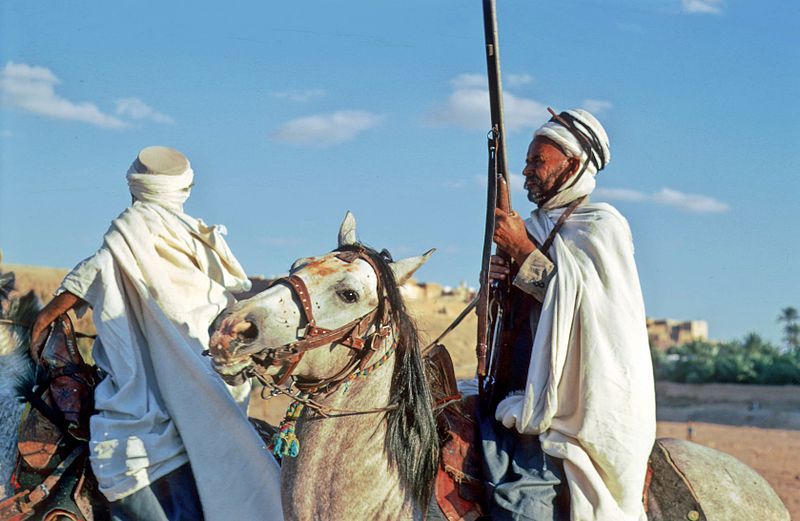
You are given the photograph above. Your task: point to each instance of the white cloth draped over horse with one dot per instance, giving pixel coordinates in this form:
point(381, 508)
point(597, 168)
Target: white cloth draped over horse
point(589, 394)
point(155, 286)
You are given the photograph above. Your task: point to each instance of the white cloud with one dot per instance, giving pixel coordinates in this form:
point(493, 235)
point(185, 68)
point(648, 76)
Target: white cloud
point(480, 81)
point(523, 113)
point(32, 89)
point(690, 202)
point(597, 106)
point(300, 96)
point(666, 196)
point(703, 6)
point(469, 81)
point(517, 80)
point(620, 194)
point(136, 109)
point(468, 107)
point(323, 130)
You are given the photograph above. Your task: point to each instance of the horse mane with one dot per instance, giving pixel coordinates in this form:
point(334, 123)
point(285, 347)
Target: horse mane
point(412, 440)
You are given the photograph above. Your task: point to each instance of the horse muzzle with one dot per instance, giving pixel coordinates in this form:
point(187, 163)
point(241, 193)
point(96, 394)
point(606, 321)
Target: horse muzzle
point(231, 338)
point(234, 348)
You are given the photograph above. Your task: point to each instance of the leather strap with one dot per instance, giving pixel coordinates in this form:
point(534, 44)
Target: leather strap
point(351, 335)
point(562, 178)
point(561, 220)
point(24, 502)
point(300, 289)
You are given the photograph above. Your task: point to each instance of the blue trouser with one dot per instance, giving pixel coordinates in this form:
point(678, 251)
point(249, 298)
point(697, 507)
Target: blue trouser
point(526, 484)
point(170, 498)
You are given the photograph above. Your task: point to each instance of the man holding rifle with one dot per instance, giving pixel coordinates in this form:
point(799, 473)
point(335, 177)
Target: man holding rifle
point(574, 420)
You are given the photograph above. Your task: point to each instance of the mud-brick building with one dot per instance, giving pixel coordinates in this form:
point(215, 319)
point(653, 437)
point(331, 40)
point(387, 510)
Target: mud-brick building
point(665, 333)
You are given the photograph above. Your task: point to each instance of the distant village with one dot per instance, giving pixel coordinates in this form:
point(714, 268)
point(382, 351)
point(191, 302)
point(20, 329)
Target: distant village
point(665, 333)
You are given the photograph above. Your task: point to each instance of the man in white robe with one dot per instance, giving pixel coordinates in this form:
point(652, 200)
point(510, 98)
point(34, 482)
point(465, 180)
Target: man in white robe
point(170, 440)
point(588, 393)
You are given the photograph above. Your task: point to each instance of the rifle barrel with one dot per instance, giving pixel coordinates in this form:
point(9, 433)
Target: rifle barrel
point(495, 83)
point(487, 317)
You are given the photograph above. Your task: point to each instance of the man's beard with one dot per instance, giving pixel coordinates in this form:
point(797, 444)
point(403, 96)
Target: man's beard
point(535, 191)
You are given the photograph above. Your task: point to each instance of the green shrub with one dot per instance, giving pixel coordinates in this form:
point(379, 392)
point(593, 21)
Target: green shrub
point(749, 361)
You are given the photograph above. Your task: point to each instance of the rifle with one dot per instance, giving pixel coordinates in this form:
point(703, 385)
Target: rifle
point(493, 297)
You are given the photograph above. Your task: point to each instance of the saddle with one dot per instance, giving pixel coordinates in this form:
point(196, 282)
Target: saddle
point(460, 489)
point(52, 478)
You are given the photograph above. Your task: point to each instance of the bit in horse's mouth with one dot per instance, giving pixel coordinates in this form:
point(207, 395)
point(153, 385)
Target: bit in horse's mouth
point(231, 368)
point(239, 356)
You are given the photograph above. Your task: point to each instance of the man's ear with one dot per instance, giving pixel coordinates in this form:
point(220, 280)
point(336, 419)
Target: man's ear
point(574, 166)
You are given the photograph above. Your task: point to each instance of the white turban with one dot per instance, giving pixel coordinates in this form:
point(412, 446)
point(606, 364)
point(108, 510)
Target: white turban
point(590, 127)
point(167, 190)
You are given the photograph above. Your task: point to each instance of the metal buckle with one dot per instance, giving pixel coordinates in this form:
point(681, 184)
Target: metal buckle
point(384, 331)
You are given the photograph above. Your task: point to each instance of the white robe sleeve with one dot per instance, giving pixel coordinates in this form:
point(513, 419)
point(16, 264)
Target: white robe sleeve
point(83, 280)
point(535, 274)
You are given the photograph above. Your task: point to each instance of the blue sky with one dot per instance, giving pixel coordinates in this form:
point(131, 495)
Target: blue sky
point(294, 112)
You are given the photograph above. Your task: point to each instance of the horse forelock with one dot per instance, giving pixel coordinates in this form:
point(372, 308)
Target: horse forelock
point(412, 441)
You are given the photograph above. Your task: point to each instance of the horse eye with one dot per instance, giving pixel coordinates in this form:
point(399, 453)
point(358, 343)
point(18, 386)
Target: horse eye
point(348, 295)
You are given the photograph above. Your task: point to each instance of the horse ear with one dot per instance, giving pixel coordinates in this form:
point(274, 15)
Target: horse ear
point(347, 231)
point(404, 268)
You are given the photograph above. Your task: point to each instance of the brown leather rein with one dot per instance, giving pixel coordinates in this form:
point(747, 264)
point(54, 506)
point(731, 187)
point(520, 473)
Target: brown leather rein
point(355, 335)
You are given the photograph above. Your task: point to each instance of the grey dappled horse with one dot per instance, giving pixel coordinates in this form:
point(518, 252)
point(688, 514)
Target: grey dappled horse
point(367, 447)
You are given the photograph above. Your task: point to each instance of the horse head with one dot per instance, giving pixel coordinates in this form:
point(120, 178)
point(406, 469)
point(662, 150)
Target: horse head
point(332, 318)
point(328, 316)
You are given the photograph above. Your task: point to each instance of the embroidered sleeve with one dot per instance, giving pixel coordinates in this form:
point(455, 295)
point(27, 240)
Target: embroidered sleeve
point(534, 275)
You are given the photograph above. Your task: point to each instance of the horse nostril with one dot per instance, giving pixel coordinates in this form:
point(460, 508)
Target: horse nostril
point(248, 333)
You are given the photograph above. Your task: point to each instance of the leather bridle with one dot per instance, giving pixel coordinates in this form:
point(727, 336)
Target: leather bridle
point(355, 335)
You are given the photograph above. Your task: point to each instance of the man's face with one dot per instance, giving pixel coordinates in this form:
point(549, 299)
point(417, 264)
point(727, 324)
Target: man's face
point(543, 166)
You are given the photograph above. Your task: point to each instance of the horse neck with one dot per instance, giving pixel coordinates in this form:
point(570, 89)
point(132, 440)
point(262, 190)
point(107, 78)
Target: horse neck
point(346, 458)
point(12, 366)
point(10, 412)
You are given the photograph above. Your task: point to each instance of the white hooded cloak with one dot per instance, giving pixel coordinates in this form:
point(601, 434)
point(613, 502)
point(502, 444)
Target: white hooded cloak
point(155, 286)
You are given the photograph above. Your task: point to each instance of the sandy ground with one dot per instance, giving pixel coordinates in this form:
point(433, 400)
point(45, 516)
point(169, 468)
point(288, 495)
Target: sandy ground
point(760, 425)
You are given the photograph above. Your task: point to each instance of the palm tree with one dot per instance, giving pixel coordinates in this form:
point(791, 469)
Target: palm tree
point(792, 335)
point(791, 329)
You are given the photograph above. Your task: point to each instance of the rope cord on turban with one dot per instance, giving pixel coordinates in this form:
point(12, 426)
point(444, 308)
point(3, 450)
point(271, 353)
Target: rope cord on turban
point(587, 139)
point(585, 136)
